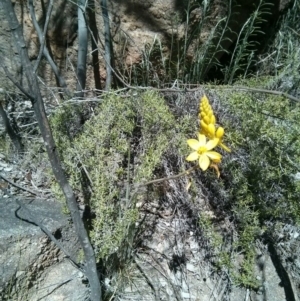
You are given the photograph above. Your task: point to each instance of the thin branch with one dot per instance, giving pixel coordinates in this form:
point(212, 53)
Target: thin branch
point(82, 48)
point(18, 186)
point(90, 267)
point(257, 90)
point(261, 90)
point(12, 79)
point(49, 10)
point(46, 53)
point(108, 44)
point(184, 173)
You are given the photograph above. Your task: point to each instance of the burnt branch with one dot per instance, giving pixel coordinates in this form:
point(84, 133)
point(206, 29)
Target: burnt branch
point(61, 81)
point(49, 10)
point(90, 267)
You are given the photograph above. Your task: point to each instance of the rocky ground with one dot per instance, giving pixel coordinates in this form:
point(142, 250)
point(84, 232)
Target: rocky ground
point(172, 261)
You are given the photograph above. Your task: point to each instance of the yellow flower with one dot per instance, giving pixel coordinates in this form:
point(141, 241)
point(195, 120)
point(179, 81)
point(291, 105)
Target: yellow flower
point(202, 151)
point(208, 123)
point(210, 131)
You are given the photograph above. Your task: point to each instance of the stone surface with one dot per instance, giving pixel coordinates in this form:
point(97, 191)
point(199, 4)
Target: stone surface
point(30, 264)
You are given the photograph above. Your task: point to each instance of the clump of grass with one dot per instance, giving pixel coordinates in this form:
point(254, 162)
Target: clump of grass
point(246, 46)
point(282, 60)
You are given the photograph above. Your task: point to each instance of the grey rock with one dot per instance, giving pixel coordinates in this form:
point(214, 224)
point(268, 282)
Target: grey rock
point(31, 266)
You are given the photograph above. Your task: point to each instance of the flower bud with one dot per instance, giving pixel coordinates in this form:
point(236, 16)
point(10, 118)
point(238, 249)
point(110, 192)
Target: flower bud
point(213, 119)
point(211, 129)
point(206, 119)
point(220, 132)
point(203, 125)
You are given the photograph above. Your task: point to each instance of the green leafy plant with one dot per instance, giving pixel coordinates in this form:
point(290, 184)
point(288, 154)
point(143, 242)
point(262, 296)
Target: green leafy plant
point(245, 46)
point(120, 145)
point(258, 180)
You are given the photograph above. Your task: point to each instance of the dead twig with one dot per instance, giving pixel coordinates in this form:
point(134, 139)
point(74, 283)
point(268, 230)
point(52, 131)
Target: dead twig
point(49, 10)
point(186, 172)
point(18, 186)
point(257, 90)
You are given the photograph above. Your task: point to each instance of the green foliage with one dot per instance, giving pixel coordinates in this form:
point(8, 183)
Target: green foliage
point(246, 44)
point(207, 225)
point(259, 182)
point(269, 131)
point(282, 60)
point(137, 130)
point(245, 275)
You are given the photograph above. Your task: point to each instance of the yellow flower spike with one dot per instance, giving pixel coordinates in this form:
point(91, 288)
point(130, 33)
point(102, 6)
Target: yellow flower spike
point(204, 99)
point(202, 151)
point(205, 107)
point(202, 114)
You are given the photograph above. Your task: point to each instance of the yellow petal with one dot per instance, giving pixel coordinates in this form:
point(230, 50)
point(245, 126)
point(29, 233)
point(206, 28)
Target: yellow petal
point(194, 144)
point(216, 157)
point(212, 143)
point(192, 156)
point(204, 162)
point(216, 160)
point(202, 140)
